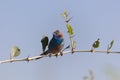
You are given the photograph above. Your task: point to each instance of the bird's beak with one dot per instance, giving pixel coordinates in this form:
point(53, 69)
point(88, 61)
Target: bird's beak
point(54, 33)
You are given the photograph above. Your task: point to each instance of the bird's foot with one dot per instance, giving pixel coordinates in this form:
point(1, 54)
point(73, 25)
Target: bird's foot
point(61, 53)
point(50, 55)
point(56, 55)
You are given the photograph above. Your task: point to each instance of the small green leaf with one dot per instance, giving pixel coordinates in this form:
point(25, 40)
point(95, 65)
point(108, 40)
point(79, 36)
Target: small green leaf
point(65, 14)
point(96, 44)
point(70, 29)
point(44, 42)
point(15, 51)
point(74, 44)
point(111, 44)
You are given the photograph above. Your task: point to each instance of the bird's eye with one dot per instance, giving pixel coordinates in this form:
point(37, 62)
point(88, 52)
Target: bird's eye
point(57, 31)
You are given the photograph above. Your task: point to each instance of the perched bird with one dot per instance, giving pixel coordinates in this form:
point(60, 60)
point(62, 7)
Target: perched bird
point(15, 51)
point(56, 44)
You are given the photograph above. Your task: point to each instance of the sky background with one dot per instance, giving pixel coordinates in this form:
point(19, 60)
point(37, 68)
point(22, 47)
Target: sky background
point(24, 22)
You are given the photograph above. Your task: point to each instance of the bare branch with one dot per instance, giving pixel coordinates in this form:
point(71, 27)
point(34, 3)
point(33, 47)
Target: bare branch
point(65, 52)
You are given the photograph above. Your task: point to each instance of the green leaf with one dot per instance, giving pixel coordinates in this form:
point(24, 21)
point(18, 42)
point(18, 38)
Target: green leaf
point(44, 42)
point(65, 14)
point(74, 44)
point(15, 51)
point(111, 44)
point(70, 29)
point(96, 44)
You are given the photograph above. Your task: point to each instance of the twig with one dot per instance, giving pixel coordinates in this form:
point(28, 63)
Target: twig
point(70, 36)
point(65, 52)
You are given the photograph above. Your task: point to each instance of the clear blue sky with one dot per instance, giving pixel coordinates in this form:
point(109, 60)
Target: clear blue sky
point(23, 22)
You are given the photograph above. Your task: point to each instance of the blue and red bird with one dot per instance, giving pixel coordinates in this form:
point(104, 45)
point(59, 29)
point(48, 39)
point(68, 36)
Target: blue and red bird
point(56, 44)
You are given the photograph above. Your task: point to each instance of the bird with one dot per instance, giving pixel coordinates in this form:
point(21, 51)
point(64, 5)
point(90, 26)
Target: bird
point(56, 44)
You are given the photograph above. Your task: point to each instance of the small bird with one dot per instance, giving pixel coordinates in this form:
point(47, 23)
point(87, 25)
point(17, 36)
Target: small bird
point(15, 51)
point(56, 44)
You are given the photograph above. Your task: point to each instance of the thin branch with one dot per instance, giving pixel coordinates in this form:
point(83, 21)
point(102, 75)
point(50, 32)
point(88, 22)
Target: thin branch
point(67, 19)
point(22, 59)
point(70, 36)
point(43, 56)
